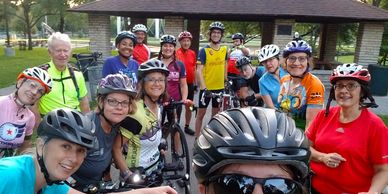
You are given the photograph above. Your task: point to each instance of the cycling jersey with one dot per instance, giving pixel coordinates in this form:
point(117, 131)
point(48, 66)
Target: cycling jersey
point(97, 160)
point(15, 123)
point(234, 55)
point(114, 65)
point(189, 58)
point(309, 93)
point(19, 177)
point(214, 66)
point(143, 149)
point(177, 72)
point(253, 83)
point(270, 85)
point(362, 142)
point(141, 53)
point(63, 93)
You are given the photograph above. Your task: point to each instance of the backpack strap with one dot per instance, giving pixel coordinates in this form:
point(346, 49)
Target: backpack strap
point(72, 75)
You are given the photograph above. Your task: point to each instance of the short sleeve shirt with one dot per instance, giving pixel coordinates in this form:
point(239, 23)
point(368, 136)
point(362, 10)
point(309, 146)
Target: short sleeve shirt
point(269, 85)
point(113, 65)
point(177, 72)
point(214, 66)
point(189, 58)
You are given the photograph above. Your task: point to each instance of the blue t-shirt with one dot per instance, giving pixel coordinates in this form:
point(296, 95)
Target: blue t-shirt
point(113, 65)
point(19, 177)
point(269, 85)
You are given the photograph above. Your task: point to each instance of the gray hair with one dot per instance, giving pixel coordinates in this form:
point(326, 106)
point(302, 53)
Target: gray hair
point(58, 36)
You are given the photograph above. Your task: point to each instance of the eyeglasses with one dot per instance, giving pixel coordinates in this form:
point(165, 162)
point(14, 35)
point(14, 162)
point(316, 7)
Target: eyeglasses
point(349, 87)
point(154, 81)
point(115, 103)
point(35, 86)
point(293, 59)
point(242, 184)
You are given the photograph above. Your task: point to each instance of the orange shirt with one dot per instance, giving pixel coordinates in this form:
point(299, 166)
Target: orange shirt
point(141, 53)
point(189, 58)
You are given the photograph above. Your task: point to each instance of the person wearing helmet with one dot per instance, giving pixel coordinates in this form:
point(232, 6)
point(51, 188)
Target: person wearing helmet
point(348, 142)
point(143, 149)
point(141, 52)
point(301, 93)
point(68, 87)
point(249, 85)
point(237, 51)
point(270, 82)
point(65, 136)
point(123, 62)
point(189, 58)
point(16, 119)
point(176, 80)
point(115, 99)
point(249, 151)
point(212, 72)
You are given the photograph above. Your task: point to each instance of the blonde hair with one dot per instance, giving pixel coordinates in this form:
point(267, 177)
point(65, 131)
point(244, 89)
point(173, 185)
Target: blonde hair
point(56, 37)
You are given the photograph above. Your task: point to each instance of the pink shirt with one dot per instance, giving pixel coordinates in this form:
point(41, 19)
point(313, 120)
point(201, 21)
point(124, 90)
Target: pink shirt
point(15, 123)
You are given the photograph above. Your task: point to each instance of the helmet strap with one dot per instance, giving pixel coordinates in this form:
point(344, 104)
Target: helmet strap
point(275, 72)
point(43, 168)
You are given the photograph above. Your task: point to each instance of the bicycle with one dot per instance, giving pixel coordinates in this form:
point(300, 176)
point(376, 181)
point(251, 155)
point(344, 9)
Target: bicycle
point(226, 99)
point(86, 60)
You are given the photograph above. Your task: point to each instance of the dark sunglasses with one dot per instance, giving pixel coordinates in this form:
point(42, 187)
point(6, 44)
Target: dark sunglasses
point(242, 184)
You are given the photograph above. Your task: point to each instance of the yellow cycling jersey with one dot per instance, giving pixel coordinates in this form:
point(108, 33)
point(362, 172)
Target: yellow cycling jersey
point(214, 67)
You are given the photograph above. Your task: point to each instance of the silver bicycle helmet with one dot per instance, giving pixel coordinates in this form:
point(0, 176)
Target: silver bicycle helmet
point(242, 61)
point(139, 27)
point(117, 83)
point(39, 75)
point(168, 39)
point(251, 134)
point(152, 65)
point(217, 25)
point(125, 34)
point(268, 51)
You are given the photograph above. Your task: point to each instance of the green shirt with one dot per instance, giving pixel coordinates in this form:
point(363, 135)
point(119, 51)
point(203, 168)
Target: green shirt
point(63, 93)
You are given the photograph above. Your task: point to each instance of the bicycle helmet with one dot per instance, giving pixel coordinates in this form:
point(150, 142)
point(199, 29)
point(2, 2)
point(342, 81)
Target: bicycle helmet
point(216, 25)
point(251, 134)
point(242, 61)
point(152, 65)
point(39, 75)
point(238, 36)
point(139, 27)
point(268, 51)
point(184, 34)
point(117, 83)
point(297, 46)
point(123, 35)
point(70, 125)
point(350, 71)
point(168, 39)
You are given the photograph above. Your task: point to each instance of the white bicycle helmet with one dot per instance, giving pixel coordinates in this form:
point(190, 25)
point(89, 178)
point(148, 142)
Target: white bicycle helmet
point(139, 27)
point(39, 75)
point(268, 51)
point(217, 25)
point(350, 71)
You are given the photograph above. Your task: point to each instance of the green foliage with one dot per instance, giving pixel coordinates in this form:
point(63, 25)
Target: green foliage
point(246, 28)
point(310, 33)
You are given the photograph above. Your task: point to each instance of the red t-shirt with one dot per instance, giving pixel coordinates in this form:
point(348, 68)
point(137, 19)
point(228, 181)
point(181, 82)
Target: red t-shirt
point(189, 58)
point(141, 53)
point(362, 142)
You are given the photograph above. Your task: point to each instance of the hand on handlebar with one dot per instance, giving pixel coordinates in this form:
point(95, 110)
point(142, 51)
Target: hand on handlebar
point(251, 100)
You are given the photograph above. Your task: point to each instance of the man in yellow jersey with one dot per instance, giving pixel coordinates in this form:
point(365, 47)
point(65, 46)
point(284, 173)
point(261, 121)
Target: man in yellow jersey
point(69, 89)
point(211, 73)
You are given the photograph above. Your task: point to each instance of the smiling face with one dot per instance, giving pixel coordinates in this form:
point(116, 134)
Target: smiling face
point(140, 35)
point(61, 158)
point(185, 43)
point(297, 64)
point(29, 91)
point(116, 106)
point(347, 93)
point(271, 64)
point(237, 42)
point(60, 52)
point(125, 47)
point(168, 50)
point(215, 35)
point(155, 84)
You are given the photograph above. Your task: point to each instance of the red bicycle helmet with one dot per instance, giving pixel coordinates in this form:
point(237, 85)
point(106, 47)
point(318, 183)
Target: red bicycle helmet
point(350, 71)
point(184, 34)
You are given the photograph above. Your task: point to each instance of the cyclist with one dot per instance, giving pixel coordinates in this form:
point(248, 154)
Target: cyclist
point(349, 143)
point(143, 148)
point(124, 41)
point(249, 151)
point(115, 99)
point(16, 119)
point(237, 51)
point(270, 82)
point(250, 91)
point(141, 52)
point(176, 80)
point(211, 73)
point(189, 58)
point(301, 93)
point(64, 137)
point(68, 88)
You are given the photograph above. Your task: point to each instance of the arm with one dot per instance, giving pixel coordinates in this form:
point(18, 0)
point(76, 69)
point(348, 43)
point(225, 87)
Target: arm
point(26, 147)
point(84, 105)
point(118, 155)
point(200, 79)
point(380, 178)
point(246, 51)
point(184, 89)
point(329, 159)
point(268, 101)
point(310, 115)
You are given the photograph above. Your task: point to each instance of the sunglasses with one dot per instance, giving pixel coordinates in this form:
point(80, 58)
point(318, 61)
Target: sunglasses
point(242, 184)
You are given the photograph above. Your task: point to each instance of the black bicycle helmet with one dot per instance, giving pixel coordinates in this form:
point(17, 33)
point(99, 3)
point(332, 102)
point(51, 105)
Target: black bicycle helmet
point(70, 125)
point(238, 36)
point(247, 135)
point(168, 39)
point(125, 34)
point(217, 25)
point(117, 83)
point(152, 65)
point(242, 61)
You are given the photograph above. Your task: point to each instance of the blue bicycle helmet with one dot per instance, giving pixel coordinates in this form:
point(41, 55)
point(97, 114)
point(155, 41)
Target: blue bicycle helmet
point(297, 46)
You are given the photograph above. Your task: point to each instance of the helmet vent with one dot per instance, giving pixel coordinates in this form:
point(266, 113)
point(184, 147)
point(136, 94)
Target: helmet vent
point(86, 140)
